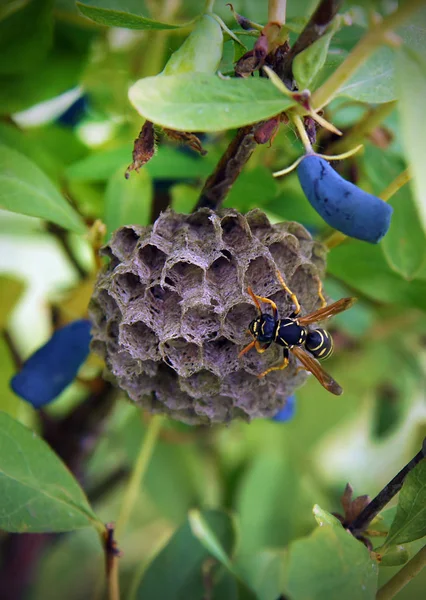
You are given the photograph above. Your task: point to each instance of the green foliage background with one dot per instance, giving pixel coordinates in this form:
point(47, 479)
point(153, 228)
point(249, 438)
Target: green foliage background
point(256, 484)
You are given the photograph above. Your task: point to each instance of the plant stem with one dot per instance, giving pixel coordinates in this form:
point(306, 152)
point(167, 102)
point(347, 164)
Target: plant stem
point(404, 576)
point(375, 37)
point(396, 185)
point(336, 238)
point(228, 168)
point(365, 517)
point(301, 131)
point(142, 461)
point(365, 126)
point(277, 11)
point(209, 6)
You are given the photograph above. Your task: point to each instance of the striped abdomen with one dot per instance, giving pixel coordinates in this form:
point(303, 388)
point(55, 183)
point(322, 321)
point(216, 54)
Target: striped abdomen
point(319, 343)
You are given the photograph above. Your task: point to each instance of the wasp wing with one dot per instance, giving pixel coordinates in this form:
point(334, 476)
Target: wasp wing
point(328, 311)
point(313, 366)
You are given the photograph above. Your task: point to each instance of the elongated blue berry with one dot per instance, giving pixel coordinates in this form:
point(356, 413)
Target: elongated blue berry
point(53, 366)
point(287, 412)
point(342, 204)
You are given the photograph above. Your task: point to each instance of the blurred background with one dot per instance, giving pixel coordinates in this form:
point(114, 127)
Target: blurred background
point(64, 105)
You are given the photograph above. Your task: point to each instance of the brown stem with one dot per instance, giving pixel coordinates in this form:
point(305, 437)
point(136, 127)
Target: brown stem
point(314, 29)
point(227, 170)
point(62, 236)
point(372, 509)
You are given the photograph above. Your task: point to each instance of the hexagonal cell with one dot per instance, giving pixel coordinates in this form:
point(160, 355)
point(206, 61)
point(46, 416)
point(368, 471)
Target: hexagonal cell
point(165, 228)
point(114, 261)
point(305, 283)
point(107, 303)
point(139, 340)
point(235, 232)
point(220, 356)
point(183, 356)
point(124, 241)
point(201, 226)
point(125, 365)
point(261, 277)
point(217, 410)
point(151, 258)
point(201, 384)
point(222, 277)
point(128, 287)
point(200, 323)
point(286, 254)
point(185, 277)
point(258, 222)
point(236, 322)
point(162, 310)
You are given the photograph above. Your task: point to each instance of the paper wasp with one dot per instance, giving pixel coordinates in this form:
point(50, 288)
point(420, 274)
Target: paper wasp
point(294, 334)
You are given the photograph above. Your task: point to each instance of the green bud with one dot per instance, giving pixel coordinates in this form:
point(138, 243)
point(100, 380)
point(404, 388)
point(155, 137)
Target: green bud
point(201, 52)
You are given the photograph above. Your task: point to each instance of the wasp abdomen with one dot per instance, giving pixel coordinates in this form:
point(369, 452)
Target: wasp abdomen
point(319, 343)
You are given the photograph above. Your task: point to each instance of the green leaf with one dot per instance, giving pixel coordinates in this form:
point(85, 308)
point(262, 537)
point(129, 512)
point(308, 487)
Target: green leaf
point(25, 36)
point(411, 82)
point(307, 63)
point(397, 555)
point(111, 13)
point(37, 492)
point(167, 163)
point(128, 201)
point(176, 572)
point(374, 80)
point(410, 519)
point(330, 564)
point(25, 189)
point(207, 537)
point(404, 245)
point(264, 572)
point(205, 102)
point(252, 188)
point(363, 267)
point(266, 484)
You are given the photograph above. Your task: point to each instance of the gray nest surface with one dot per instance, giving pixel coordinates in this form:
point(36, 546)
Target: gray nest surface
point(170, 312)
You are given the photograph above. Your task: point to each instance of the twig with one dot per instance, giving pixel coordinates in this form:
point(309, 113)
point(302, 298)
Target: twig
point(404, 576)
point(362, 129)
point(62, 237)
point(229, 167)
point(315, 28)
point(112, 554)
point(358, 525)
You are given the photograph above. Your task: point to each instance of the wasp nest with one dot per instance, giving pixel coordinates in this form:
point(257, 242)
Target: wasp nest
point(171, 310)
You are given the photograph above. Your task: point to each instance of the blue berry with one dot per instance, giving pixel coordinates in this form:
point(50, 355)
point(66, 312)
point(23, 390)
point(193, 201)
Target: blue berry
point(287, 412)
point(54, 366)
point(342, 204)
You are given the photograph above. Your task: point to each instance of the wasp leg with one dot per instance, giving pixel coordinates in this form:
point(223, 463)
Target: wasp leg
point(320, 294)
point(283, 365)
point(247, 348)
point(290, 293)
point(256, 300)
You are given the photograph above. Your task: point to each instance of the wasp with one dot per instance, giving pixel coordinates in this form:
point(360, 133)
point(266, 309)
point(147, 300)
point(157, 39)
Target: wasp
point(293, 334)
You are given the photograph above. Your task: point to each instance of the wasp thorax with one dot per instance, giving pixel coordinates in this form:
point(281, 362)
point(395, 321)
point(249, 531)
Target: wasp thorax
point(170, 312)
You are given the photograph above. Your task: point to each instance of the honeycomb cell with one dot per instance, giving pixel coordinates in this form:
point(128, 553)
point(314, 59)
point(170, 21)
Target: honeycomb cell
point(184, 357)
point(127, 287)
point(151, 260)
point(199, 323)
point(125, 240)
point(139, 340)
